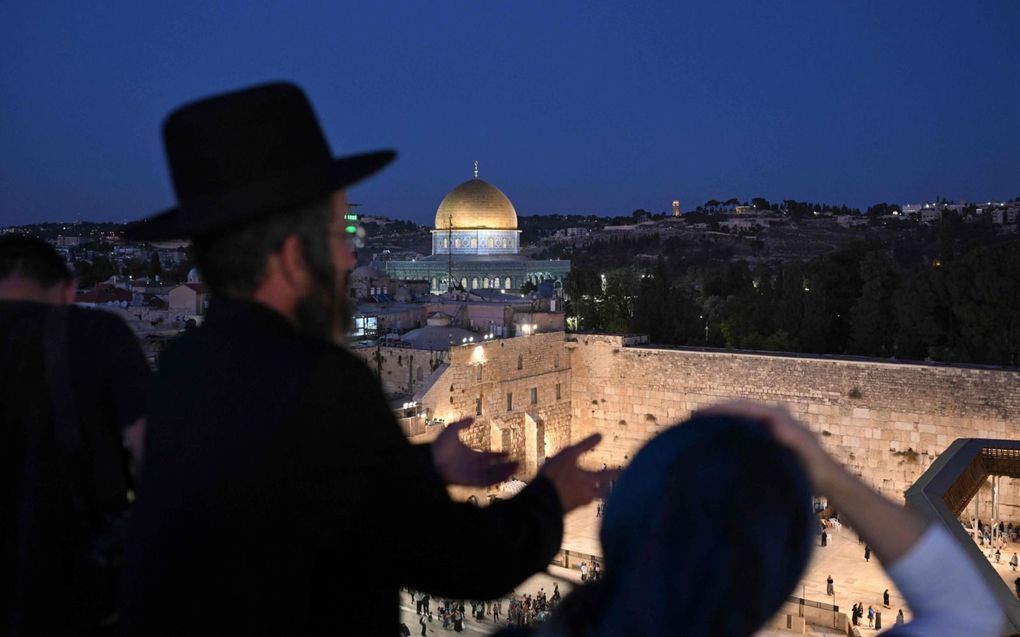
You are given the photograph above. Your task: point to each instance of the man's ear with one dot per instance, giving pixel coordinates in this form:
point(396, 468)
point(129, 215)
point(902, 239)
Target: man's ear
point(292, 263)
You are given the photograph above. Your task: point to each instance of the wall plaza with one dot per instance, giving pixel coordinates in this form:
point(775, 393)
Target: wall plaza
point(887, 422)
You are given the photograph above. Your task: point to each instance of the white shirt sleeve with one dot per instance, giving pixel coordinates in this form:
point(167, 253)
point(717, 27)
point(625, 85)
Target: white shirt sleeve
point(945, 590)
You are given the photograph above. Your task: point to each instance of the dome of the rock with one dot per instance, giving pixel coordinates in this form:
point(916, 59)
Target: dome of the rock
point(476, 204)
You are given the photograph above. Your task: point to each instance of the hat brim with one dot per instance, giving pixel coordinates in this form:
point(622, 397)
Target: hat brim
point(258, 199)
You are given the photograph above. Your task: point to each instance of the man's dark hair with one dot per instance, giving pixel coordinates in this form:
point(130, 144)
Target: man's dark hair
point(233, 262)
point(33, 259)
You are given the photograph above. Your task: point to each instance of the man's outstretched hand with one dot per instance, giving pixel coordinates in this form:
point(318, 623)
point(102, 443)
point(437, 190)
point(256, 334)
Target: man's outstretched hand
point(459, 464)
point(576, 486)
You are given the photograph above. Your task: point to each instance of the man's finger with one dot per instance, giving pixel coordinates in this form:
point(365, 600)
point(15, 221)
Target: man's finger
point(587, 444)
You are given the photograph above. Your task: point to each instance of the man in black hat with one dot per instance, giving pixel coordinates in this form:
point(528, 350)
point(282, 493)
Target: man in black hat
point(278, 492)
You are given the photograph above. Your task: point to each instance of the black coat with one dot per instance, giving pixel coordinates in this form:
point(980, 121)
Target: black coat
point(280, 496)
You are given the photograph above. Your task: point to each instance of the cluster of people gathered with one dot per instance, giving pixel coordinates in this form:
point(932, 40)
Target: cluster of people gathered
point(521, 611)
point(873, 615)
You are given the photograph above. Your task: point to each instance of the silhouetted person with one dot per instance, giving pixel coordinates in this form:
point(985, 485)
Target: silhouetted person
point(72, 392)
point(277, 483)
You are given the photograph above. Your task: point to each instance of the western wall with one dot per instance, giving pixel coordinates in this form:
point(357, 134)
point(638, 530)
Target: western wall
point(886, 421)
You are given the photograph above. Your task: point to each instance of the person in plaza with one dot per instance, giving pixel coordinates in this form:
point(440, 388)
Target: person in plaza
point(761, 461)
point(885, 598)
point(867, 553)
point(424, 624)
point(829, 590)
point(497, 607)
point(899, 617)
point(277, 483)
point(1013, 561)
point(72, 402)
point(871, 617)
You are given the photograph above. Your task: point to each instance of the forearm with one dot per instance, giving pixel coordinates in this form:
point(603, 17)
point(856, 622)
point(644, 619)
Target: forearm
point(944, 589)
point(888, 528)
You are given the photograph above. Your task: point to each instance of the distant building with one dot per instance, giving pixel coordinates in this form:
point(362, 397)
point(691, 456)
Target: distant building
point(931, 215)
point(676, 207)
point(1005, 216)
point(71, 242)
point(475, 246)
point(189, 299)
point(104, 295)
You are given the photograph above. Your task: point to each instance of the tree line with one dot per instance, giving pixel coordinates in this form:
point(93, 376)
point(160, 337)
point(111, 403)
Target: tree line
point(962, 306)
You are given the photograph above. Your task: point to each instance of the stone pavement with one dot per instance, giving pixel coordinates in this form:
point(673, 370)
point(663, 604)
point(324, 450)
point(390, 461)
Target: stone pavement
point(1002, 567)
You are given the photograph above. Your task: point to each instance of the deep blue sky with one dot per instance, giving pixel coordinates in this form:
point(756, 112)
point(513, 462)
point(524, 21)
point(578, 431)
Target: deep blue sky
point(580, 107)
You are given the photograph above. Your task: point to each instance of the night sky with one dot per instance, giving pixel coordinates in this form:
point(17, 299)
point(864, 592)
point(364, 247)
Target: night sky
point(580, 107)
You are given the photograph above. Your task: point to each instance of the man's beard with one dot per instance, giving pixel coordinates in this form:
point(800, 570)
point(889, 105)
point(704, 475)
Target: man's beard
point(326, 313)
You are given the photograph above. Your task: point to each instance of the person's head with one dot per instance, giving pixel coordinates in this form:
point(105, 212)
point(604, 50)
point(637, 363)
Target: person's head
point(31, 270)
point(706, 533)
point(262, 196)
point(297, 263)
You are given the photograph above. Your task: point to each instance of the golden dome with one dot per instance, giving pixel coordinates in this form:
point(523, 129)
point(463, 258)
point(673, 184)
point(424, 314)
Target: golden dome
point(476, 204)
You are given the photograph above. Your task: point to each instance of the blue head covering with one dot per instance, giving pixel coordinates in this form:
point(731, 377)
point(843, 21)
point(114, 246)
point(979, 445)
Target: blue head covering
point(707, 532)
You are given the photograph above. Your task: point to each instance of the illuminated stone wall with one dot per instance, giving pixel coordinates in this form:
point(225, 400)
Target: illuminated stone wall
point(483, 374)
point(404, 370)
point(885, 421)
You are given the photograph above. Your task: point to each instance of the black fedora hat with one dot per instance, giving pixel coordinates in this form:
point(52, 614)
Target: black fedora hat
point(246, 154)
